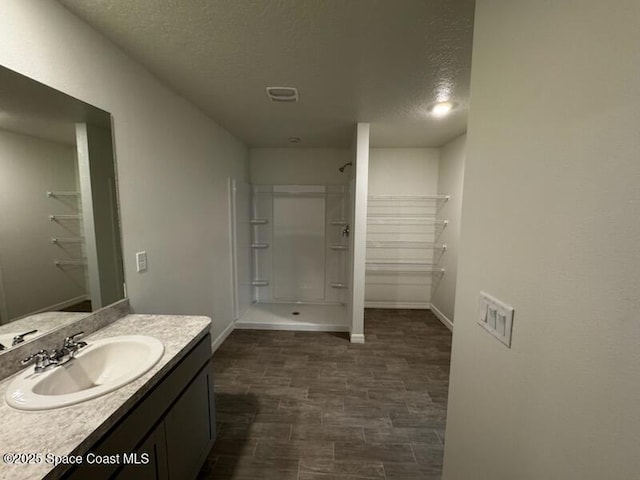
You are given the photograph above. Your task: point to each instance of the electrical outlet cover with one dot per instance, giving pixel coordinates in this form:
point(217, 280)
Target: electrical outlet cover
point(141, 261)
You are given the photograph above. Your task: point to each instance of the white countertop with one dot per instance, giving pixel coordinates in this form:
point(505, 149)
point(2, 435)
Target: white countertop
point(74, 429)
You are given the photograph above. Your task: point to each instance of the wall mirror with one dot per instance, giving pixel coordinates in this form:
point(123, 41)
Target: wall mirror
point(60, 243)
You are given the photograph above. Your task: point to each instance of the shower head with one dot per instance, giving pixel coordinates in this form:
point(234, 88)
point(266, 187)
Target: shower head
point(344, 166)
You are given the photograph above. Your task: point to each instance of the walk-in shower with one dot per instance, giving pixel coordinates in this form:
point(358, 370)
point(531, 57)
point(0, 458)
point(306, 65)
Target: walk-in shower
point(299, 257)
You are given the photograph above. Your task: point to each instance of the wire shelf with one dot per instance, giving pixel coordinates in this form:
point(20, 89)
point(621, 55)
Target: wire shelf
point(405, 220)
point(62, 194)
point(399, 244)
point(388, 266)
point(408, 198)
point(64, 263)
point(54, 218)
point(58, 240)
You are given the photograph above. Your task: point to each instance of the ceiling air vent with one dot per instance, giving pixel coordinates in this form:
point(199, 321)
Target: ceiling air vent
point(283, 94)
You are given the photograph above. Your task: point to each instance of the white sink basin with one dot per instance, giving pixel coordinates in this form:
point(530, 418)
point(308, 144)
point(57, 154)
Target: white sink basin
point(101, 367)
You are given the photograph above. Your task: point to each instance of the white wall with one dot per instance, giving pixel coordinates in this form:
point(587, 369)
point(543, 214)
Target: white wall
point(102, 238)
point(450, 179)
point(358, 242)
point(299, 166)
point(172, 161)
point(550, 225)
point(29, 167)
point(402, 172)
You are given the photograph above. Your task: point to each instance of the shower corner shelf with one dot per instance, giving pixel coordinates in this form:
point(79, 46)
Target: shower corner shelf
point(259, 245)
point(338, 285)
point(260, 283)
point(258, 221)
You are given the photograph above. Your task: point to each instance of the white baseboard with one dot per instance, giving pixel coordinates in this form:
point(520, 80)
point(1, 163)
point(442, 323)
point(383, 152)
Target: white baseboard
point(416, 305)
point(222, 337)
point(357, 338)
point(290, 326)
point(442, 317)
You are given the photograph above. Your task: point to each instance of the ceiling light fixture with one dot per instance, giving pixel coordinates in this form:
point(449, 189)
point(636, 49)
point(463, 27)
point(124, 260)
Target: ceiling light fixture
point(294, 139)
point(441, 109)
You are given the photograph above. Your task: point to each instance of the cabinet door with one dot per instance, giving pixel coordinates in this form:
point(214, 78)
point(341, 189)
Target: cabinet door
point(149, 460)
point(190, 427)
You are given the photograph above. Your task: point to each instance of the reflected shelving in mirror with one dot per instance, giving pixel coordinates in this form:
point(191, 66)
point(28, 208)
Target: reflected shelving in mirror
point(55, 146)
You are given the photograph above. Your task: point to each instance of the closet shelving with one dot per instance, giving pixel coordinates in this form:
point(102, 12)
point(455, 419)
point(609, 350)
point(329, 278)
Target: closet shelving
point(60, 240)
point(381, 265)
point(56, 217)
point(61, 196)
point(56, 194)
point(401, 244)
point(63, 263)
point(402, 247)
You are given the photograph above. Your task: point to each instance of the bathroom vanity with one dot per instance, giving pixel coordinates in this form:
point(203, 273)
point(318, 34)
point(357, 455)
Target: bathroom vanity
point(159, 426)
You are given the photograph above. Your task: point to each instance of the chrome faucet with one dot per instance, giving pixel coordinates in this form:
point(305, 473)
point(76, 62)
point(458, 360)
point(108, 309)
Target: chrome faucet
point(45, 360)
point(42, 361)
point(18, 339)
point(69, 349)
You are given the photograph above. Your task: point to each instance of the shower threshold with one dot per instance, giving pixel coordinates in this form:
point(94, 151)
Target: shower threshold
point(295, 316)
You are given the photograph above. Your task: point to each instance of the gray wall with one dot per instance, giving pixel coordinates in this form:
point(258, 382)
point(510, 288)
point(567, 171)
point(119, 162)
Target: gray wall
point(173, 162)
point(29, 167)
point(450, 180)
point(299, 166)
point(100, 214)
point(550, 225)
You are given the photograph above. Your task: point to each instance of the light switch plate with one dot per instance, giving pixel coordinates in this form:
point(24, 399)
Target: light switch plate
point(496, 317)
point(141, 261)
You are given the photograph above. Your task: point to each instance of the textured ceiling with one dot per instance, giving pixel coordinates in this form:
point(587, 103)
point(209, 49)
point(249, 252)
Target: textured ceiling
point(377, 61)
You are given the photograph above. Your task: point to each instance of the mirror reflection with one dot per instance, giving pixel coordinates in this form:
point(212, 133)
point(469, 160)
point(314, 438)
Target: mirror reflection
point(60, 244)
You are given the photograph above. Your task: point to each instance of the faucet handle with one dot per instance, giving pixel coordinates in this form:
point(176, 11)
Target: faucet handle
point(38, 356)
point(70, 340)
point(20, 337)
point(42, 360)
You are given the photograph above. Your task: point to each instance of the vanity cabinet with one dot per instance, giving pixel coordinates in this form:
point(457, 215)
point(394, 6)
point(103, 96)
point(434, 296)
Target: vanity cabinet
point(168, 433)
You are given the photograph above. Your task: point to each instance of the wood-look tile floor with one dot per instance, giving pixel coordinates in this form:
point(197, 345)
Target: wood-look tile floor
point(312, 406)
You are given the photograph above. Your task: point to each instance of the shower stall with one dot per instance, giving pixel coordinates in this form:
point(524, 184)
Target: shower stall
point(291, 256)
